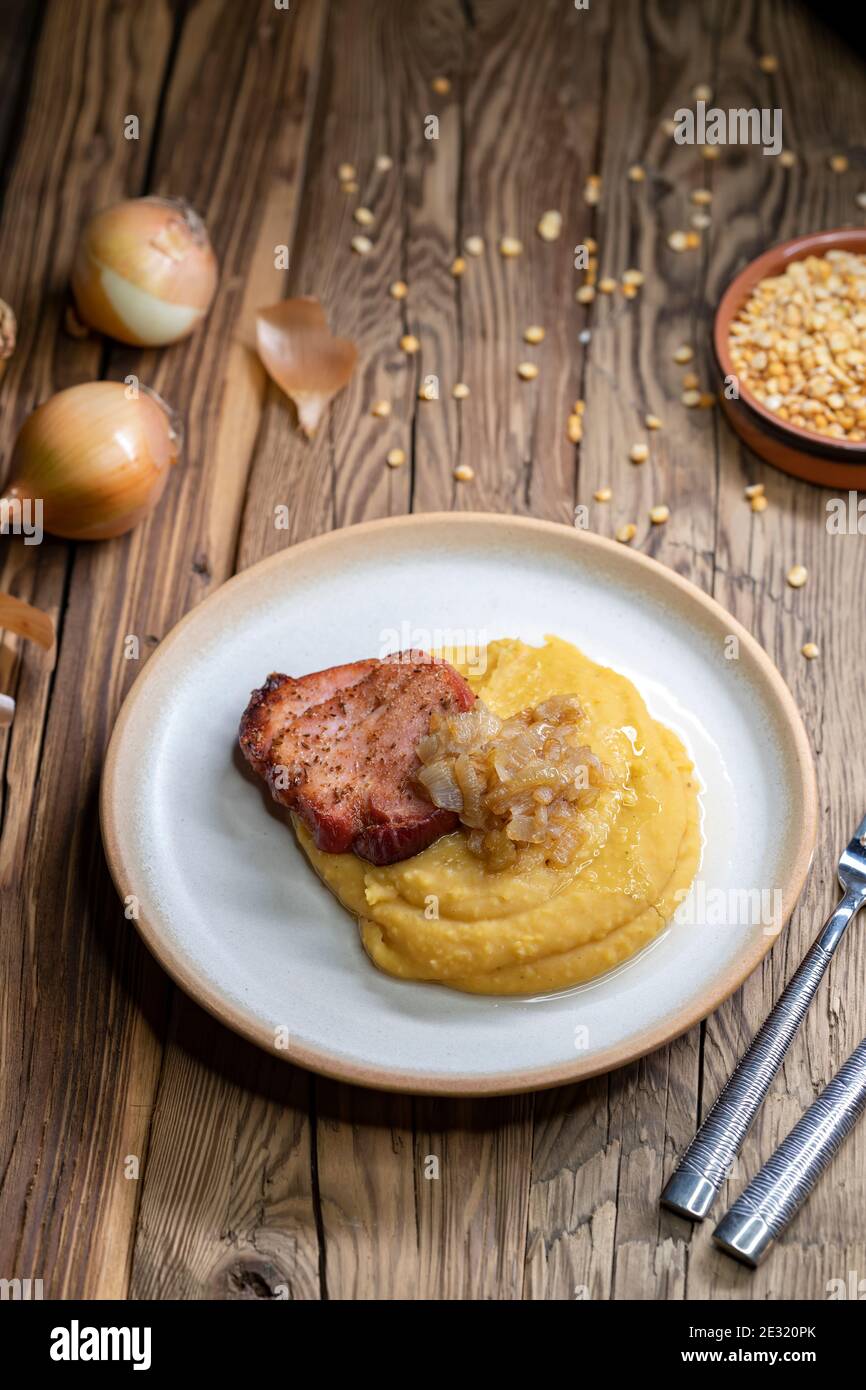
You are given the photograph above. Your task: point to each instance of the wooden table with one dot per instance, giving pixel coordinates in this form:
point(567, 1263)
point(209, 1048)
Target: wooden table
point(255, 1178)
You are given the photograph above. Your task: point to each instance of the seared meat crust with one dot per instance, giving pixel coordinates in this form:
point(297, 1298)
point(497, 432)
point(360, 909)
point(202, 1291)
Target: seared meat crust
point(338, 748)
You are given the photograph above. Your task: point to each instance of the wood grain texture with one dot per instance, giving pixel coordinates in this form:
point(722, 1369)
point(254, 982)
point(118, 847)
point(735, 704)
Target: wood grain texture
point(62, 1191)
point(615, 1243)
point(255, 1180)
point(21, 22)
point(116, 1019)
point(265, 1242)
point(759, 204)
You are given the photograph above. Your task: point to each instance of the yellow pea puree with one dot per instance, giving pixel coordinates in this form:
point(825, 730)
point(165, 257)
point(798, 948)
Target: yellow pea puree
point(442, 916)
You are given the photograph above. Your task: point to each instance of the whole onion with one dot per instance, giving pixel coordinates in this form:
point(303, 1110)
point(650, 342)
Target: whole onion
point(144, 272)
point(96, 456)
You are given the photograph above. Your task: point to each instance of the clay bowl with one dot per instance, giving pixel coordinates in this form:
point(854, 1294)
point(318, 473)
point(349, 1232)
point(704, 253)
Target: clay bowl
point(830, 462)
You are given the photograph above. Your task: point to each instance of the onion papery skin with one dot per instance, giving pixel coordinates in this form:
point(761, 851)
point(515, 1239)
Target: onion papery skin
point(98, 460)
point(145, 272)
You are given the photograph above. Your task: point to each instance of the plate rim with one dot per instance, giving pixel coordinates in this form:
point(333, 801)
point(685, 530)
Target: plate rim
point(340, 1068)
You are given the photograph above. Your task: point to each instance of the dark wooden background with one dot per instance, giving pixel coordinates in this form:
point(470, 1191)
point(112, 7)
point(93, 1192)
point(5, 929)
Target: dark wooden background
point(255, 1178)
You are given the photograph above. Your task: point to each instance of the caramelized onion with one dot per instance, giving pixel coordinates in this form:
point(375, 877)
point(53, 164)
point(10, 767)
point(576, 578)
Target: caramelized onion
point(517, 784)
point(441, 785)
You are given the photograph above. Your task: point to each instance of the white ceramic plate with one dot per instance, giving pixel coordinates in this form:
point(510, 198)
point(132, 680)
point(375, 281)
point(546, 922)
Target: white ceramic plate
point(229, 905)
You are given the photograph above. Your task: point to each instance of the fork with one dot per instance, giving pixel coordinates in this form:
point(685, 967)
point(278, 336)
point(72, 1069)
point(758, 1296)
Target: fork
point(695, 1183)
point(774, 1196)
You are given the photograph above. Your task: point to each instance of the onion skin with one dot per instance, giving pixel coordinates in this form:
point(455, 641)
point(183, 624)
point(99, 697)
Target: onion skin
point(144, 272)
point(33, 623)
point(98, 460)
point(8, 331)
point(301, 354)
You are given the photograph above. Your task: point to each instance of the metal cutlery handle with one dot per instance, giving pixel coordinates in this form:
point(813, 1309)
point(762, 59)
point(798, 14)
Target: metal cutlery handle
point(703, 1168)
point(761, 1213)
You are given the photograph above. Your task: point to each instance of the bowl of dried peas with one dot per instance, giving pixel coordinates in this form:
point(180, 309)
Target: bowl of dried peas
point(790, 347)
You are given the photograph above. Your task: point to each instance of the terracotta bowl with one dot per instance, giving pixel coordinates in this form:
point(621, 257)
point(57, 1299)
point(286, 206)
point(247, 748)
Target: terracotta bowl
point(830, 462)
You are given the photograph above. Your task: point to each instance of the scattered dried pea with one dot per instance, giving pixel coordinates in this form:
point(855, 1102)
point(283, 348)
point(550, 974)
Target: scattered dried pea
point(637, 173)
point(639, 453)
point(381, 409)
point(768, 63)
point(626, 533)
point(607, 285)
point(839, 163)
point(691, 398)
point(759, 503)
point(603, 494)
point(533, 334)
point(653, 422)
point(585, 295)
point(810, 651)
point(474, 245)
point(683, 354)
point(409, 343)
point(458, 267)
point(361, 245)
point(364, 217)
point(659, 515)
point(460, 391)
point(441, 86)
point(463, 473)
point(797, 576)
point(510, 246)
point(550, 225)
point(527, 371)
point(398, 289)
point(395, 458)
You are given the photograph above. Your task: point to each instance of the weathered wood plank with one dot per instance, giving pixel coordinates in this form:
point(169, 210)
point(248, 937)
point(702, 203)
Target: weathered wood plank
point(759, 203)
point(340, 476)
point(226, 1211)
point(70, 158)
point(95, 1000)
point(595, 1226)
point(472, 1205)
point(523, 126)
point(248, 1227)
point(367, 1170)
point(19, 27)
